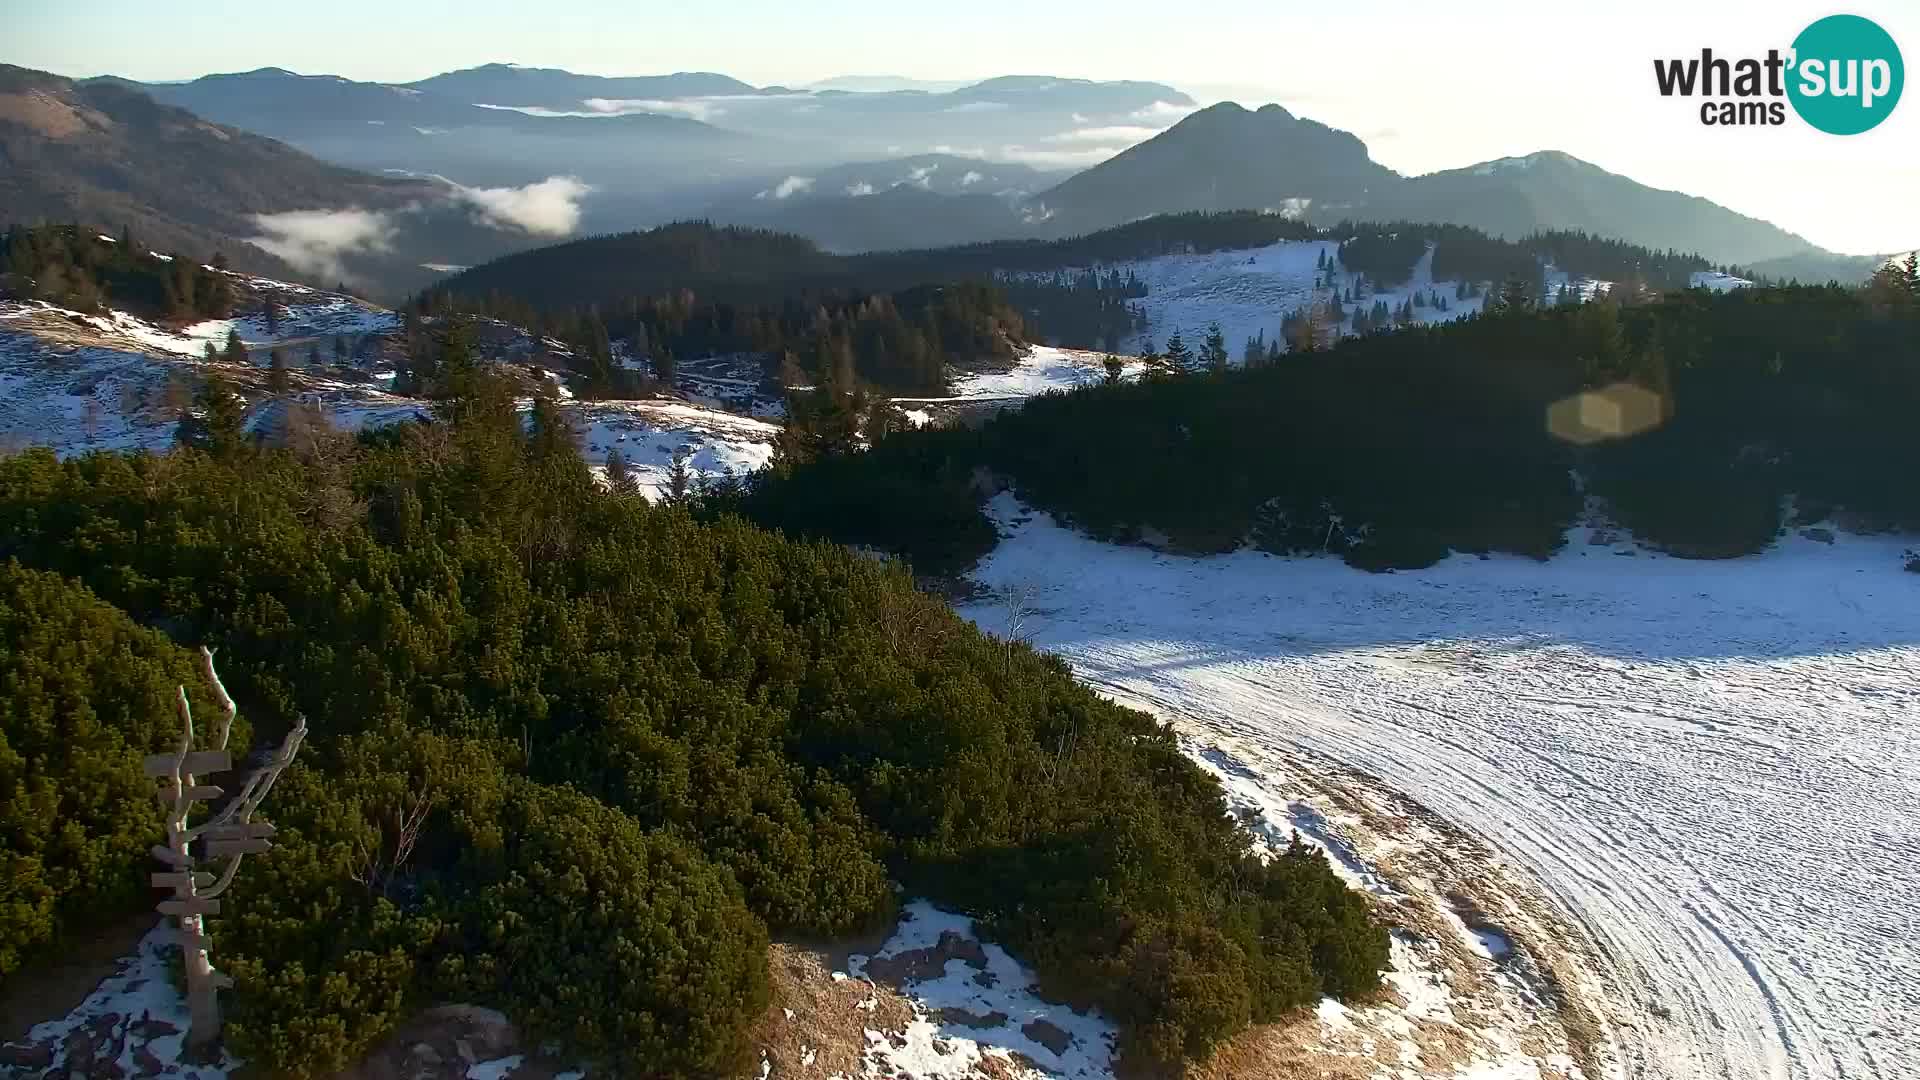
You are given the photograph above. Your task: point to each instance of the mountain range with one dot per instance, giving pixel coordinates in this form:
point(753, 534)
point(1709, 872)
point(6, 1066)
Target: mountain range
point(1010, 157)
point(1227, 157)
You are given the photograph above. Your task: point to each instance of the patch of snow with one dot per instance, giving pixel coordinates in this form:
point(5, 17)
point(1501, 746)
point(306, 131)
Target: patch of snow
point(1716, 281)
point(996, 986)
point(122, 1006)
point(498, 1069)
point(1043, 368)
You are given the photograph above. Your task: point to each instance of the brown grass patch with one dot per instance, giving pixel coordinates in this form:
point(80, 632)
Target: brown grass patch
point(827, 1018)
point(44, 114)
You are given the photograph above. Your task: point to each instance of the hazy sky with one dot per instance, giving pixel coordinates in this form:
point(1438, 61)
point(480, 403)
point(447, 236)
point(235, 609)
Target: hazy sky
point(1429, 85)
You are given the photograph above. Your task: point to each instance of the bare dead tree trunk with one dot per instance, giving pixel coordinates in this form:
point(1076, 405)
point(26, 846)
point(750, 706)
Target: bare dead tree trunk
point(229, 835)
point(1016, 602)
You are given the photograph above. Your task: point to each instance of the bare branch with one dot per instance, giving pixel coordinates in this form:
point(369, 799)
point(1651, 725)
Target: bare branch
point(227, 708)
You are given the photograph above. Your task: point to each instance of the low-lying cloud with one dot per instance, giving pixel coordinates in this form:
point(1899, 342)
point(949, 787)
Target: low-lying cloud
point(702, 109)
point(550, 207)
point(786, 189)
point(1116, 134)
point(1163, 112)
point(1058, 158)
point(318, 241)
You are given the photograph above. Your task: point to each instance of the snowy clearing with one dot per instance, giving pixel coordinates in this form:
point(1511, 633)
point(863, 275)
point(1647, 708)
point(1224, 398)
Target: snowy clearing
point(1247, 291)
point(1712, 768)
point(1042, 368)
point(648, 435)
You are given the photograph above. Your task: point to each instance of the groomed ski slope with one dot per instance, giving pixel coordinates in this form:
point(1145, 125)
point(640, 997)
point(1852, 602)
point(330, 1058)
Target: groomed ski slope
point(1712, 768)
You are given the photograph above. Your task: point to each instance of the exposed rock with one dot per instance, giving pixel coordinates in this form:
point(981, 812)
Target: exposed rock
point(977, 1021)
point(26, 1056)
point(920, 965)
point(441, 1043)
point(1049, 1036)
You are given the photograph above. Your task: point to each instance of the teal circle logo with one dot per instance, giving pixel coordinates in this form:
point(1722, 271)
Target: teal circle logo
point(1847, 75)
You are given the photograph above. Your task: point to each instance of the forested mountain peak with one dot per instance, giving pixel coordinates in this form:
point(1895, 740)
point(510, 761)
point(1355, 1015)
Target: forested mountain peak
point(1224, 157)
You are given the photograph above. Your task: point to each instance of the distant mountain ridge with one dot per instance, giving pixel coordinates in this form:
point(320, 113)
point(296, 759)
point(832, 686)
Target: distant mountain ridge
point(1553, 190)
point(510, 84)
point(288, 105)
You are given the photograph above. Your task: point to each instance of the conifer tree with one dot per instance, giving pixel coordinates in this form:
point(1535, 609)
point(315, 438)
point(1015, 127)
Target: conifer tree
point(222, 419)
point(278, 381)
point(1115, 366)
point(1213, 352)
point(550, 436)
point(679, 489)
point(236, 351)
point(620, 477)
point(1515, 296)
point(1179, 357)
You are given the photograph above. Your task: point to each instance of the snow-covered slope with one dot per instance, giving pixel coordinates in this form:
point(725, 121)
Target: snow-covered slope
point(78, 382)
point(1247, 292)
point(648, 435)
point(1709, 767)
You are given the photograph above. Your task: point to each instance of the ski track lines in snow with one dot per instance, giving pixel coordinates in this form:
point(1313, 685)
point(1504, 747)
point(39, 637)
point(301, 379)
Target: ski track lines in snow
point(1713, 767)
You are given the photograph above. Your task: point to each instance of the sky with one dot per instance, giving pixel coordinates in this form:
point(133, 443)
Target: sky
point(1428, 85)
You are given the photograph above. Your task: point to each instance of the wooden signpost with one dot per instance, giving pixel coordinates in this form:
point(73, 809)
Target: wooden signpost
point(229, 834)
